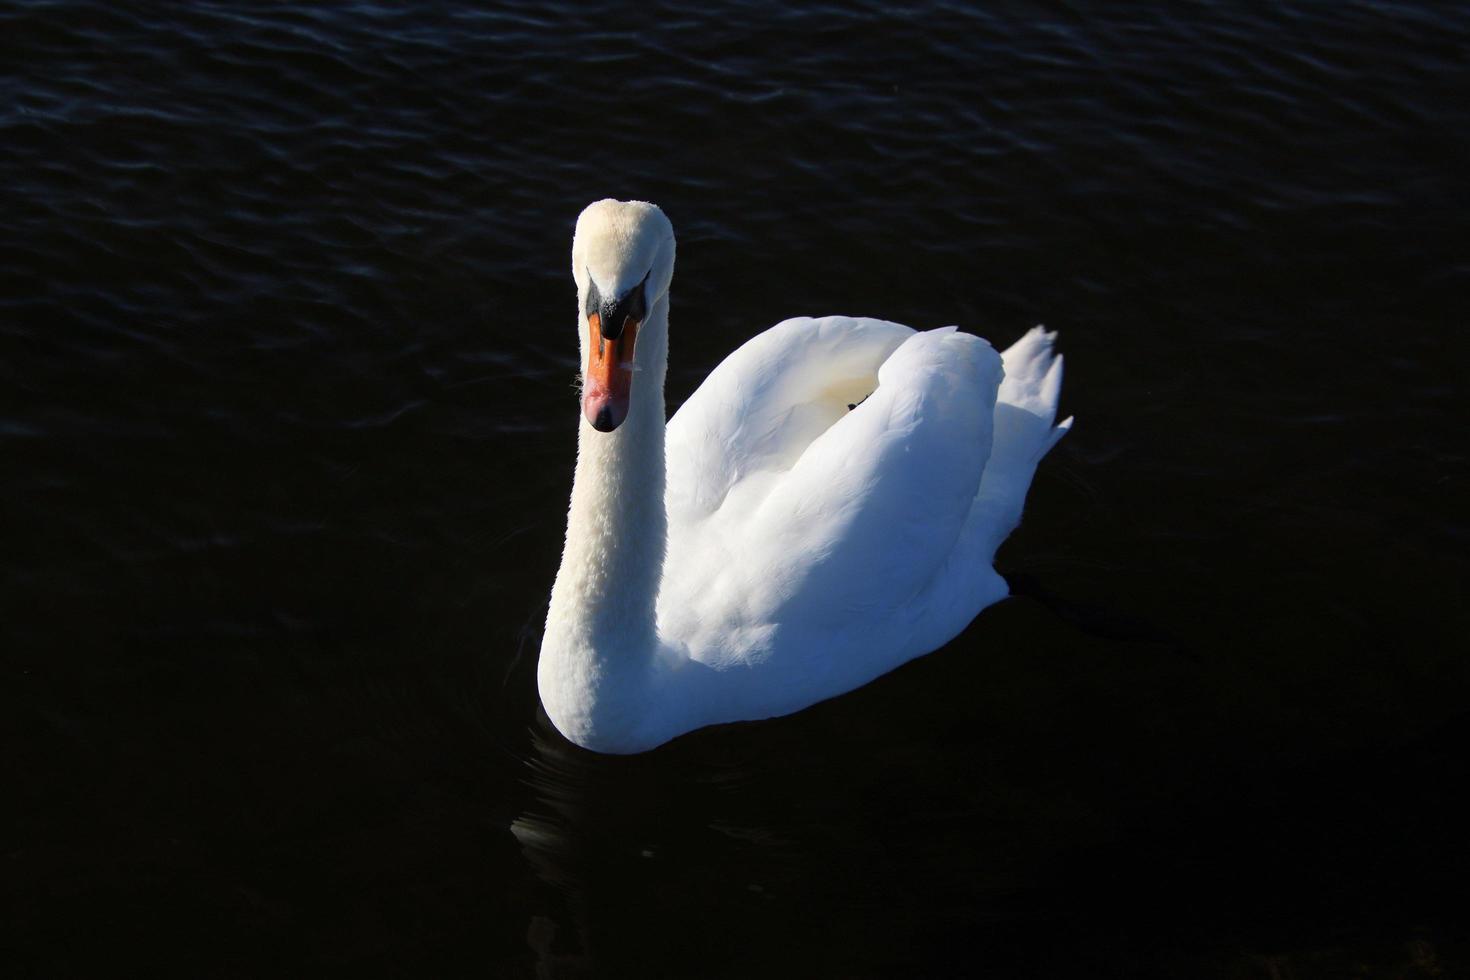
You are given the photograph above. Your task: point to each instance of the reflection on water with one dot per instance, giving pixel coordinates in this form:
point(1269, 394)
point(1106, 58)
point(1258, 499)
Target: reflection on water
point(561, 943)
point(626, 843)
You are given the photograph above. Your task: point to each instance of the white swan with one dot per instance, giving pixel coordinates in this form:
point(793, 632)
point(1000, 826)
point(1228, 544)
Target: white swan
point(773, 545)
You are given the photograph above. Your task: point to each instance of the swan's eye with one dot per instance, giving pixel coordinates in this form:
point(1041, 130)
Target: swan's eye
point(637, 299)
point(594, 298)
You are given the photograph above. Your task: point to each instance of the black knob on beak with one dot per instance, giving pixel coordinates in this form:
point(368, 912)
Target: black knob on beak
point(613, 314)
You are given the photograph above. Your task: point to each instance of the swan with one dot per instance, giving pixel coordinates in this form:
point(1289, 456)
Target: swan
point(825, 507)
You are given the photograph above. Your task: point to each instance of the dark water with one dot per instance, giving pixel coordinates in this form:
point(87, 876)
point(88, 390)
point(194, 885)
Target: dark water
point(287, 426)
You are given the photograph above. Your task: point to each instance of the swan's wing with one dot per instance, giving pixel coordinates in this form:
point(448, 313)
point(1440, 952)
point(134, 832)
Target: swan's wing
point(846, 543)
point(761, 408)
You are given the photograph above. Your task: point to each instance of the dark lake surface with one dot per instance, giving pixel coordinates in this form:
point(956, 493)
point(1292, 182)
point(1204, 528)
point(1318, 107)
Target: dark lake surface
point(287, 343)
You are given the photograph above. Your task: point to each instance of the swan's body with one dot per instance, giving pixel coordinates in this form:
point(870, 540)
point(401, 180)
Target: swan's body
point(772, 546)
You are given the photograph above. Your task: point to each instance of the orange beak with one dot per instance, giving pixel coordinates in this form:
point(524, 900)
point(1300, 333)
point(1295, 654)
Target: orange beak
point(607, 382)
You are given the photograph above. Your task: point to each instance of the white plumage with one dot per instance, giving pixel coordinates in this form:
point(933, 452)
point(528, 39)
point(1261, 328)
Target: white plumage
point(772, 546)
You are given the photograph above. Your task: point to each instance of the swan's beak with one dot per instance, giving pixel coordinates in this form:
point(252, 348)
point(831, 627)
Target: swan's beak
point(607, 383)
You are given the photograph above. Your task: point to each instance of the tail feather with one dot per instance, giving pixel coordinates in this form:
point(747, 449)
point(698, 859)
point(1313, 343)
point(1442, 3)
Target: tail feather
point(1033, 374)
point(1025, 407)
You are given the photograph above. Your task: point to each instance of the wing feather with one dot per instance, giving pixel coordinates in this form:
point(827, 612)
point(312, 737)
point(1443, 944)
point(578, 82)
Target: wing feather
point(762, 407)
point(856, 525)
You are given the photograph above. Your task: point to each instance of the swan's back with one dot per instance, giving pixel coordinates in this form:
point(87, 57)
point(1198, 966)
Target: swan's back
point(828, 544)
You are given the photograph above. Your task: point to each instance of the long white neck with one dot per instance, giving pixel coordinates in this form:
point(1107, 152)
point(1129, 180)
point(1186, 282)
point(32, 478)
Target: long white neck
point(601, 634)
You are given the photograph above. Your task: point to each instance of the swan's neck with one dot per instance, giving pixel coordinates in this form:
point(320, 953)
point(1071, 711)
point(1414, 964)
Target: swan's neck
point(601, 632)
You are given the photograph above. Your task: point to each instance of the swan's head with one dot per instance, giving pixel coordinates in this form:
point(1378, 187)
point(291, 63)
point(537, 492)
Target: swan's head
point(623, 261)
